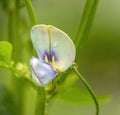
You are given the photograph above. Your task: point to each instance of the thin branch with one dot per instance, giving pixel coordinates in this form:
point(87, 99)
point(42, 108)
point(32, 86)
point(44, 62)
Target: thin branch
point(89, 89)
point(86, 22)
point(31, 12)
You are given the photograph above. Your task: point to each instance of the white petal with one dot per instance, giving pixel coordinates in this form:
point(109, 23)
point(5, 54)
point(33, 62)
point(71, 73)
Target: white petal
point(40, 40)
point(49, 40)
point(42, 72)
point(63, 47)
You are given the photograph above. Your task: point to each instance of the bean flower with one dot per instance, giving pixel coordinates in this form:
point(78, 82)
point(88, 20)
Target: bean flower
point(56, 53)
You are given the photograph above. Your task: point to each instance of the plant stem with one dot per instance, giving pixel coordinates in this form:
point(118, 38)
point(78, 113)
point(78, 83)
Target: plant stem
point(41, 101)
point(83, 30)
point(89, 89)
point(32, 15)
point(86, 22)
point(31, 12)
point(12, 21)
point(41, 105)
point(13, 28)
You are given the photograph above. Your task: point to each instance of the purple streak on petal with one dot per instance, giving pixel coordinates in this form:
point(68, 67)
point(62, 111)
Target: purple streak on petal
point(49, 56)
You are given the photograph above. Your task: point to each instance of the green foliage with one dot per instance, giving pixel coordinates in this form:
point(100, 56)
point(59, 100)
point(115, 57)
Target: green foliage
point(5, 53)
point(24, 99)
point(27, 98)
point(70, 79)
point(78, 95)
point(7, 5)
point(6, 100)
point(31, 98)
point(4, 4)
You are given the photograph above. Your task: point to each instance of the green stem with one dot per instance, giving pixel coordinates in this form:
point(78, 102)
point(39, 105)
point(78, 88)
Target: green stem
point(46, 103)
point(32, 15)
point(86, 22)
point(41, 106)
point(12, 21)
point(89, 89)
point(31, 12)
point(13, 28)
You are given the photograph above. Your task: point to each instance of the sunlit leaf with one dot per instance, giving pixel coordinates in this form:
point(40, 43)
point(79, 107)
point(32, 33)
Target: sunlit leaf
point(5, 53)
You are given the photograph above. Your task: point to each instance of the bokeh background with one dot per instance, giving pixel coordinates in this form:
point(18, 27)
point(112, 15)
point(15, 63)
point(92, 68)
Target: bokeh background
point(99, 54)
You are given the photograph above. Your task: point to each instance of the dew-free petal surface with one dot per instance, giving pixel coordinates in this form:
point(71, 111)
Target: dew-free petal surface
point(40, 40)
point(63, 48)
point(54, 43)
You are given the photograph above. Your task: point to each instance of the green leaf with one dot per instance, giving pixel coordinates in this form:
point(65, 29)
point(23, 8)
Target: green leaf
point(61, 83)
point(26, 98)
point(78, 95)
point(6, 100)
point(69, 80)
point(5, 53)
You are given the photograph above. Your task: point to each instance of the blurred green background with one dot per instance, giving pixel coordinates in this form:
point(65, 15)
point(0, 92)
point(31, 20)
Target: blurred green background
point(100, 52)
